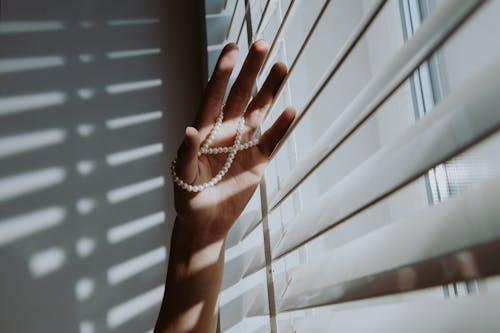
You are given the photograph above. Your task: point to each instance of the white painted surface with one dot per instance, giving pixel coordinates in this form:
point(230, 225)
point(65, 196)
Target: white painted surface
point(94, 99)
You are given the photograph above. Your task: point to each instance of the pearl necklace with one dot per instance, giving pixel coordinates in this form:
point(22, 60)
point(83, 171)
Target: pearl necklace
point(207, 149)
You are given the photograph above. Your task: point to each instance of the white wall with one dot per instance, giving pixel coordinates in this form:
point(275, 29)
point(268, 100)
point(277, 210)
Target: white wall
point(61, 188)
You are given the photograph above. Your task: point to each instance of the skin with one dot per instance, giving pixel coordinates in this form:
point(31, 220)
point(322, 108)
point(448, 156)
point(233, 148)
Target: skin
point(203, 220)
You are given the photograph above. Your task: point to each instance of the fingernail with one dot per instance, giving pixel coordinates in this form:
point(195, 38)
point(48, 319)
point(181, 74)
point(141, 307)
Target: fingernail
point(261, 44)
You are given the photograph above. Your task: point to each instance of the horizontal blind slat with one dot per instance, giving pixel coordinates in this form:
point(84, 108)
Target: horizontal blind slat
point(262, 19)
point(434, 246)
point(470, 314)
point(243, 21)
point(253, 302)
point(242, 227)
point(276, 37)
point(433, 32)
point(337, 62)
point(303, 46)
point(233, 15)
point(344, 52)
point(243, 265)
point(461, 120)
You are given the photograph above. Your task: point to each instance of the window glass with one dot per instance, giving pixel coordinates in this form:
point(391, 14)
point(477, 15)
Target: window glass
point(474, 46)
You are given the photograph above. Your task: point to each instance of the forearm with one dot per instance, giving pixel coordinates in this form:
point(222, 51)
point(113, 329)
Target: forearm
point(194, 277)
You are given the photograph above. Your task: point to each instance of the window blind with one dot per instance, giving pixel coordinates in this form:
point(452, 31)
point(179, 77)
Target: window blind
point(446, 242)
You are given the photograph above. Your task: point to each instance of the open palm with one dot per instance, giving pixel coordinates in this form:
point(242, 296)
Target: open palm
point(218, 207)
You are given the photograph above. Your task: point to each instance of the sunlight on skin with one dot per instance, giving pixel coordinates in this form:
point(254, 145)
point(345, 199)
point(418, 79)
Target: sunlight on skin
point(205, 257)
point(407, 278)
point(467, 263)
point(227, 189)
point(189, 319)
point(217, 303)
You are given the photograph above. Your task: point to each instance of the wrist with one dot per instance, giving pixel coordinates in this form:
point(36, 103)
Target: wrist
point(194, 234)
point(203, 228)
point(198, 248)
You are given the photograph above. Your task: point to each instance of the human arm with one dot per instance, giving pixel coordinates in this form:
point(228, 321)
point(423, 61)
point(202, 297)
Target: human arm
point(196, 258)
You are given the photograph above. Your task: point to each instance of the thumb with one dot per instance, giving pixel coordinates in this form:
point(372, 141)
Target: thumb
point(187, 162)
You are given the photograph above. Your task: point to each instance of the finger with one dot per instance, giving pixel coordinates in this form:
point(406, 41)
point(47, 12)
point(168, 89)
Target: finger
point(262, 101)
point(275, 133)
point(216, 88)
point(242, 89)
point(187, 164)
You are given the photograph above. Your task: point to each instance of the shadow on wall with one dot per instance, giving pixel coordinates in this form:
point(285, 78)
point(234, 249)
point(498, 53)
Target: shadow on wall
point(94, 97)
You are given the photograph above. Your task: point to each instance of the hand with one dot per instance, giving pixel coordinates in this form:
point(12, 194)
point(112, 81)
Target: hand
point(196, 257)
point(216, 208)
